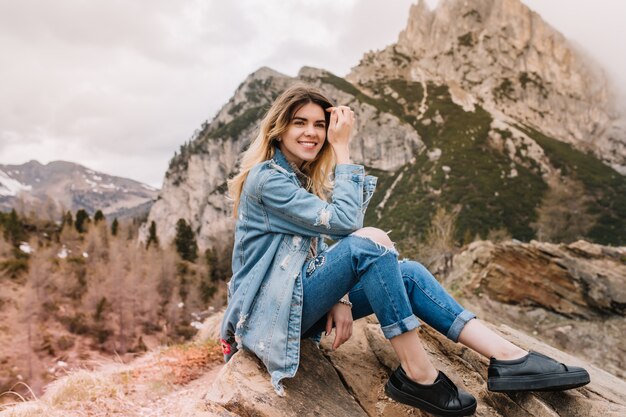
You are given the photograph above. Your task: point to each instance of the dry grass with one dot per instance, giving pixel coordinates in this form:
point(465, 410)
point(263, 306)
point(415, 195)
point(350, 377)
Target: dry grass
point(32, 409)
point(83, 386)
point(136, 389)
point(178, 364)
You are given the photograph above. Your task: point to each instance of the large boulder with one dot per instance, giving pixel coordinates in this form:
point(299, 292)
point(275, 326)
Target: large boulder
point(350, 381)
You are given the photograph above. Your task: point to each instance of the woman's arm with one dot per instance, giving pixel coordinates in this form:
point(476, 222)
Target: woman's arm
point(294, 210)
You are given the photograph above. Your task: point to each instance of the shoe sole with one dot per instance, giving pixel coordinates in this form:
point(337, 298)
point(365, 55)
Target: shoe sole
point(554, 382)
point(403, 398)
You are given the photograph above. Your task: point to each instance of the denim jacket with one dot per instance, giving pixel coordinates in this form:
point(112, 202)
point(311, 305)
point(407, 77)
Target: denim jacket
point(276, 221)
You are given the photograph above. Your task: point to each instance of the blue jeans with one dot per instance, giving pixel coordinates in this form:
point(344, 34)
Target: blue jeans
point(396, 291)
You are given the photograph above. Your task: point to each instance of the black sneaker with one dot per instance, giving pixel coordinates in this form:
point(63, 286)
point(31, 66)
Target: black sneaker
point(534, 372)
point(441, 397)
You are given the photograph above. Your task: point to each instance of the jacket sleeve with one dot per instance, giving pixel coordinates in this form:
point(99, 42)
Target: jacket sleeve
point(291, 209)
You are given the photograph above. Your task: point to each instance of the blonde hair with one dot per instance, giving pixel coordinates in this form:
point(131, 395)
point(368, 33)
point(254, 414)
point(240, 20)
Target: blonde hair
point(274, 124)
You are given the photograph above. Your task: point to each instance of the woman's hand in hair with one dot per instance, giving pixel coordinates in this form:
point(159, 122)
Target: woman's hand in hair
point(340, 132)
point(341, 316)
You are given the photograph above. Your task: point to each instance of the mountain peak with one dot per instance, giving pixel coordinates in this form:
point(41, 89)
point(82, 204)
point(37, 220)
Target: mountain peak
point(509, 59)
point(33, 162)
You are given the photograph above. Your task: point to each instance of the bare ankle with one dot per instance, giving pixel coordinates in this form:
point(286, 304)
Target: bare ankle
point(420, 375)
point(511, 354)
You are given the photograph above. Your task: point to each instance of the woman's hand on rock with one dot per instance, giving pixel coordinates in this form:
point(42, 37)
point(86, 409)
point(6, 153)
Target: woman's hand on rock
point(341, 316)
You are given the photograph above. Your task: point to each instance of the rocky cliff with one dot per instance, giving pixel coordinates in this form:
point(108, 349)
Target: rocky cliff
point(541, 296)
point(502, 54)
point(480, 108)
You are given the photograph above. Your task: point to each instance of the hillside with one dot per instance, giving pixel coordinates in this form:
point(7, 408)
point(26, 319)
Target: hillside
point(73, 299)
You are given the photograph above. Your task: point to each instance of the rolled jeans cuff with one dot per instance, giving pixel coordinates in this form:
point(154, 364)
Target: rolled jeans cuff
point(403, 326)
point(458, 324)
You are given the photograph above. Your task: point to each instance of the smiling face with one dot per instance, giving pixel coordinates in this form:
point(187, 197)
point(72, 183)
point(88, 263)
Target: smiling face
point(305, 135)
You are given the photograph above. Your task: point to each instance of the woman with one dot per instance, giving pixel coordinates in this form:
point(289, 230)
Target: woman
point(287, 284)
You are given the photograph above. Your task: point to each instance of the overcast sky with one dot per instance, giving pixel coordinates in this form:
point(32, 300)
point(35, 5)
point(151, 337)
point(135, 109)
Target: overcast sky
point(118, 85)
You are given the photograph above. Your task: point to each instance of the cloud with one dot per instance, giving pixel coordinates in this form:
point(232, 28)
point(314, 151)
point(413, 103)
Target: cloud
point(113, 84)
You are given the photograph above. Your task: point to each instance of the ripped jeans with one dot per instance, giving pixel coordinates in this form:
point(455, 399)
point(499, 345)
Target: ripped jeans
point(396, 291)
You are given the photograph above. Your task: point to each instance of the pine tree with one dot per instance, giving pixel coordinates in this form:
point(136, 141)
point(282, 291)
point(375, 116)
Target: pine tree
point(82, 218)
point(99, 216)
point(114, 226)
point(68, 220)
point(13, 228)
point(152, 236)
point(185, 241)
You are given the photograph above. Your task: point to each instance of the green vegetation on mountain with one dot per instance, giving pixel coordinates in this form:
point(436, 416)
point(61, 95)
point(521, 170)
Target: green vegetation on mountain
point(478, 180)
point(605, 187)
point(235, 127)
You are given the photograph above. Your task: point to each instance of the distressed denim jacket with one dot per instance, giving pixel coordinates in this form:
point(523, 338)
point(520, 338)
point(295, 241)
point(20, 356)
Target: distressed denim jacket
point(276, 220)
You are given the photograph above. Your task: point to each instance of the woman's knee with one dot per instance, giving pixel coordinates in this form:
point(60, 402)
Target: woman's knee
point(375, 235)
point(417, 272)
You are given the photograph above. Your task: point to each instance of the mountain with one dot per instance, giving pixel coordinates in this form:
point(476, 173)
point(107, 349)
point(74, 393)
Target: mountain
point(69, 186)
point(502, 54)
point(480, 111)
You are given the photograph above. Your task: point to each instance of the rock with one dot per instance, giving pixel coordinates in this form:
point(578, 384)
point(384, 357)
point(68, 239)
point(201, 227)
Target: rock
point(364, 362)
point(579, 299)
point(605, 394)
point(210, 329)
point(362, 371)
point(243, 387)
point(567, 294)
point(561, 278)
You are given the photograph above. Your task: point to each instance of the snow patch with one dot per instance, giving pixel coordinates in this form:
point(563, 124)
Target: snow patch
point(434, 155)
point(25, 247)
point(11, 187)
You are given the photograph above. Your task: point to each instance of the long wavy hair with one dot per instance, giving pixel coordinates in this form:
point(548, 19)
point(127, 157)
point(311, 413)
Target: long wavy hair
point(274, 124)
